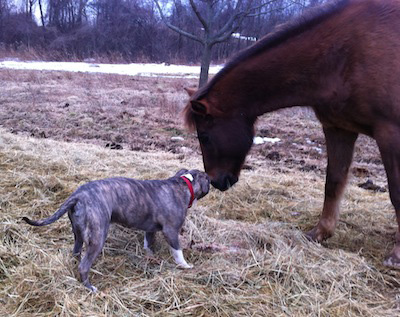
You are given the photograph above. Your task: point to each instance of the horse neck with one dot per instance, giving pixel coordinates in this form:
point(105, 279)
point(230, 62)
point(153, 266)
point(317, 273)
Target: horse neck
point(301, 72)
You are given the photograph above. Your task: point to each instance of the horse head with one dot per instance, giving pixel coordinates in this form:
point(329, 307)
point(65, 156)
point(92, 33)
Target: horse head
point(225, 138)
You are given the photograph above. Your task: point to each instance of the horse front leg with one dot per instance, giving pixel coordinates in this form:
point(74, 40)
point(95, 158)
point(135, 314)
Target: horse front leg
point(387, 137)
point(340, 146)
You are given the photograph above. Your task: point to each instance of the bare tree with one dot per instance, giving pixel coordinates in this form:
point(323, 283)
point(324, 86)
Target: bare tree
point(66, 15)
point(4, 11)
point(133, 30)
point(29, 7)
point(208, 13)
point(41, 13)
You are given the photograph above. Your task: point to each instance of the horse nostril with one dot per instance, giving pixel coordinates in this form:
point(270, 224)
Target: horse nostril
point(217, 185)
point(231, 180)
point(225, 182)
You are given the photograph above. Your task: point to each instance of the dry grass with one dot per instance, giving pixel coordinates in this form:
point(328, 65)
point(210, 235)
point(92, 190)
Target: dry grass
point(250, 257)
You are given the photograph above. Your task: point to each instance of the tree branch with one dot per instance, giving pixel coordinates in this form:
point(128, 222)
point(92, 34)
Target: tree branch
point(272, 10)
point(229, 28)
point(199, 16)
point(175, 28)
point(224, 37)
point(229, 23)
point(262, 5)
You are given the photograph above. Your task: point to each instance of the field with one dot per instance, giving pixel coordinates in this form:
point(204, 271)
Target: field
point(59, 130)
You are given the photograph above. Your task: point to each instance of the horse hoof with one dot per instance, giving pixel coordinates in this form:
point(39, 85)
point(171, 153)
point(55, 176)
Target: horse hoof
point(317, 235)
point(313, 235)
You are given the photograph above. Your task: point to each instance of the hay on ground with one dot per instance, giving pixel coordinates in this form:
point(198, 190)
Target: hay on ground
point(249, 254)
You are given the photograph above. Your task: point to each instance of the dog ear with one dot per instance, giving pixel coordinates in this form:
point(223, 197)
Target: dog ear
point(182, 172)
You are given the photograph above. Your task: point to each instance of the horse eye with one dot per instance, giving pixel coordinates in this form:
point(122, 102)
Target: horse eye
point(204, 139)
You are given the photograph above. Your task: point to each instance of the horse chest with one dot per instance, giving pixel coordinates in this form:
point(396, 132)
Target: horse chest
point(340, 116)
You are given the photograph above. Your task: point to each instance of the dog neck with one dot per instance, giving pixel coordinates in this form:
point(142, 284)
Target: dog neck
point(188, 178)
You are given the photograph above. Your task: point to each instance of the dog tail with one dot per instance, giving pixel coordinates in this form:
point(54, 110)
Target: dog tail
point(65, 207)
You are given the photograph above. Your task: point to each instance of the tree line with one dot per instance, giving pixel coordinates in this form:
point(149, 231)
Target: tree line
point(140, 30)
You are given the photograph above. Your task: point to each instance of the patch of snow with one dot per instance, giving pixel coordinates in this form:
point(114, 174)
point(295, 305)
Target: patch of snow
point(261, 140)
point(241, 37)
point(316, 148)
point(185, 150)
point(135, 69)
point(177, 138)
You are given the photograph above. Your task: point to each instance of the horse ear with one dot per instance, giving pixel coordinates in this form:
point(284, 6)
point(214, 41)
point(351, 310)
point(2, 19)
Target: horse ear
point(199, 107)
point(190, 91)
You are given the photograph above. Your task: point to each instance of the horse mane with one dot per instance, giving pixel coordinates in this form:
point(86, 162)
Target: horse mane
point(281, 33)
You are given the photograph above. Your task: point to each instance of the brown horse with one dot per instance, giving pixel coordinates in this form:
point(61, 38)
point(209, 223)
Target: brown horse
point(343, 61)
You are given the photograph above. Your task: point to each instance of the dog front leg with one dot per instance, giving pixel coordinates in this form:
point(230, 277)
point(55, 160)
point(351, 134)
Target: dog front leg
point(179, 259)
point(172, 237)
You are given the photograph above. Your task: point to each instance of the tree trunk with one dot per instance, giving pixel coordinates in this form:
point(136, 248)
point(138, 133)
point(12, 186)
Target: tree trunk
point(80, 12)
point(205, 64)
point(41, 14)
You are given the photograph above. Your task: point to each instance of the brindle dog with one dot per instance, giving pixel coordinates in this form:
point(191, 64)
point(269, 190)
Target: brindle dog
point(149, 205)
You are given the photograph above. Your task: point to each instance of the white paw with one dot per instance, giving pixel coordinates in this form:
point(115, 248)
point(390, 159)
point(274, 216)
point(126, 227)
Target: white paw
point(185, 266)
point(180, 260)
point(93, 289)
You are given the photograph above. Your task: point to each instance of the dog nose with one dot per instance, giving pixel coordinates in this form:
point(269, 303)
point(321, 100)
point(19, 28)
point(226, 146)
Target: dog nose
point(224, 182)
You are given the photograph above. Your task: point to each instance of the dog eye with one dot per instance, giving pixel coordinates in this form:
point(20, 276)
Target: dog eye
point(204, 139)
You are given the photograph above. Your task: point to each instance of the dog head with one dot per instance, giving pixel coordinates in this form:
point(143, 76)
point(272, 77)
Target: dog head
point(200, 183)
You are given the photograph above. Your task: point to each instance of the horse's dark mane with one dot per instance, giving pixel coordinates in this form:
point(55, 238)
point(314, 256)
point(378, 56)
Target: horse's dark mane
point(288, 30)
point(282, 33)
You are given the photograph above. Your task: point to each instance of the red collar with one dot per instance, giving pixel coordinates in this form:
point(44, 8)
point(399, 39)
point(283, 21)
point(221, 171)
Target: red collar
point(189, 184)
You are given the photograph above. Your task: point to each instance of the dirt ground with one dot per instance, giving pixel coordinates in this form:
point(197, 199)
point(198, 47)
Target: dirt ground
point(143, 114)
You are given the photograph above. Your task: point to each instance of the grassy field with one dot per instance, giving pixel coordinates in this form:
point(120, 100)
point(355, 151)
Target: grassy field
point(249, 254)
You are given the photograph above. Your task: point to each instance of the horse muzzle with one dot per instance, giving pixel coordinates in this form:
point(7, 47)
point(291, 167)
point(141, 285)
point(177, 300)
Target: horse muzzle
point(224, 182)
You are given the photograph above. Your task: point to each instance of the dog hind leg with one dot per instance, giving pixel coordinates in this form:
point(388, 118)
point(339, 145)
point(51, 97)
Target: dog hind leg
point(77, 236)
point(93, 249)
point(77, 245)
